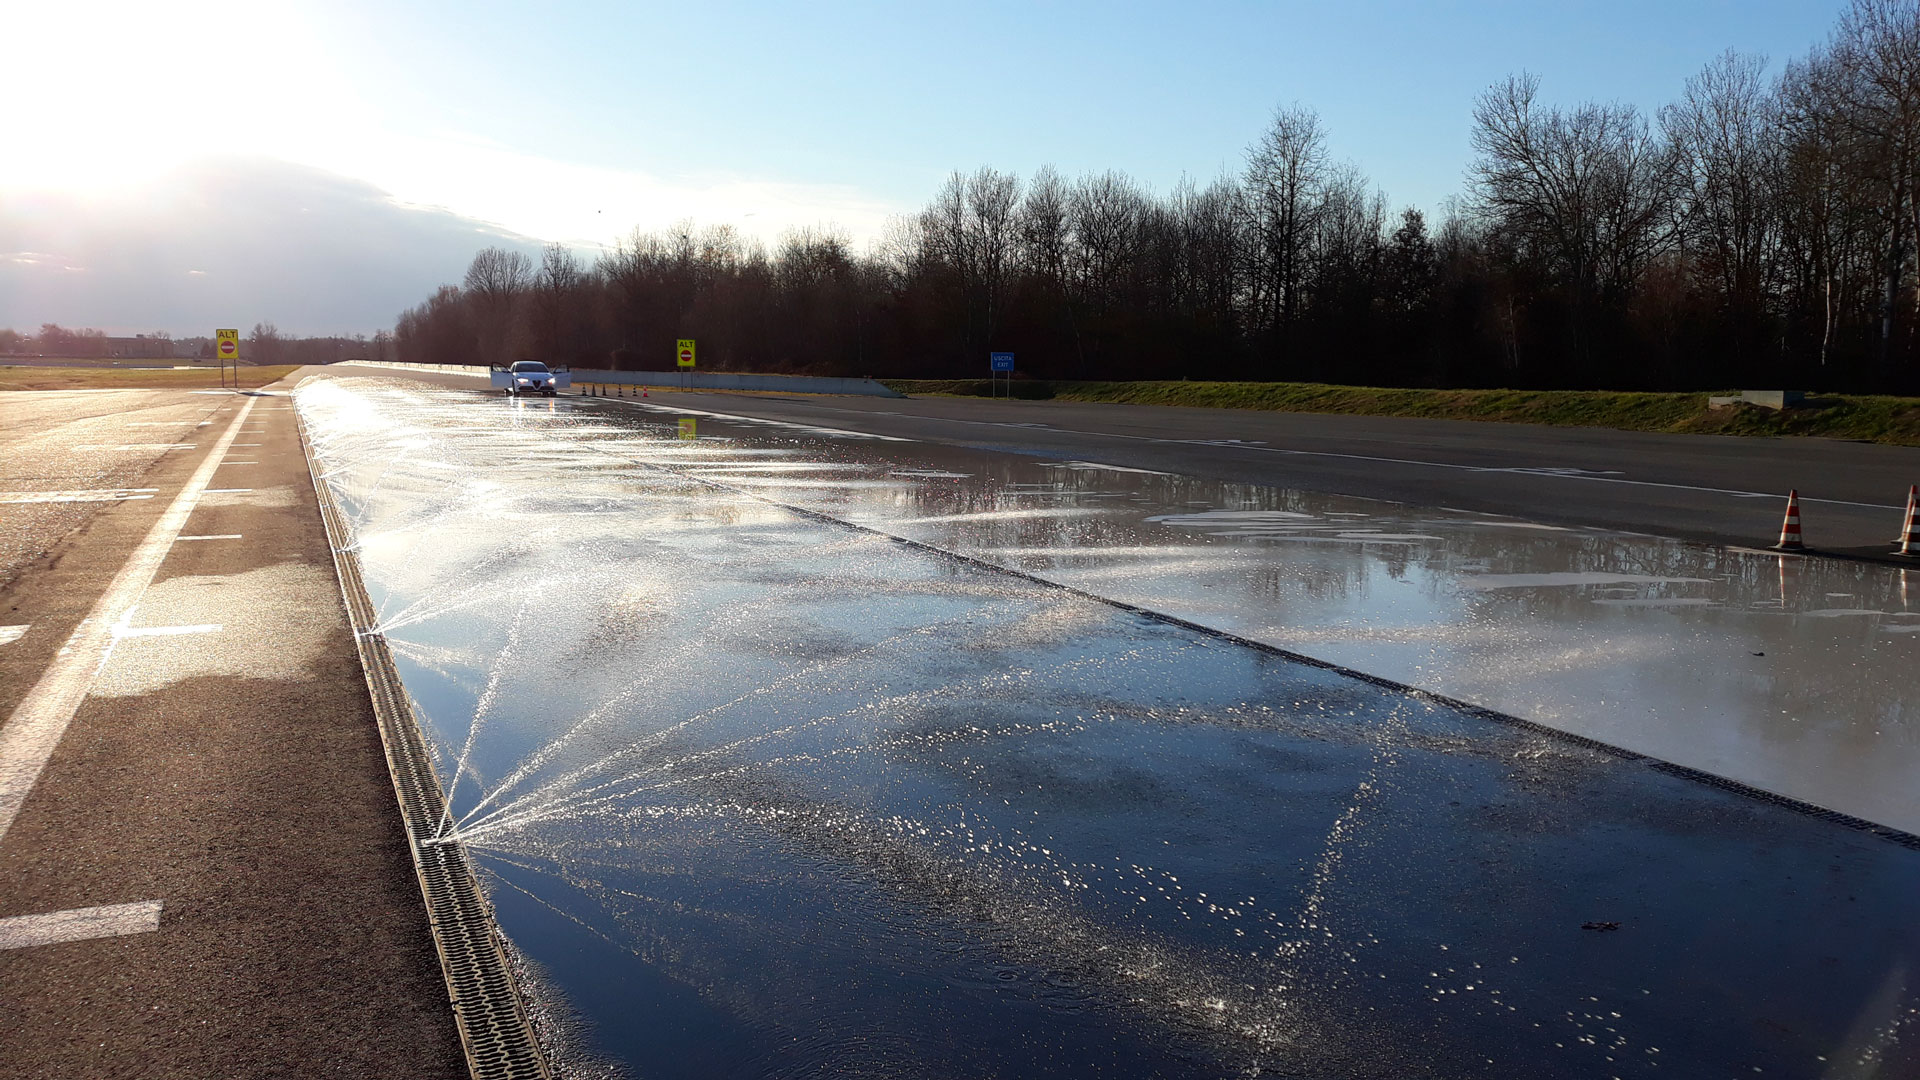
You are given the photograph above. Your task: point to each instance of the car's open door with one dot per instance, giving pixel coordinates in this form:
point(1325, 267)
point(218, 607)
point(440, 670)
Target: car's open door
point(562, 376)
point(500, 376)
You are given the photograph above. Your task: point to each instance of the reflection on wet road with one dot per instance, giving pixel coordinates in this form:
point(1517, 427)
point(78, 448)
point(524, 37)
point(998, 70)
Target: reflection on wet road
point(765, 795)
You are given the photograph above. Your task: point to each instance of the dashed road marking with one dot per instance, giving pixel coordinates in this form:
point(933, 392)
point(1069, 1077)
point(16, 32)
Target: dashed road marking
point(40, 720)
point(14, 498)
point(11, 634)
point(164, 631)
point(1555, 475)
point(79, 924)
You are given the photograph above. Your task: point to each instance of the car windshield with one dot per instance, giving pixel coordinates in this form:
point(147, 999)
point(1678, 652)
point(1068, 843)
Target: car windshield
point(529, 365)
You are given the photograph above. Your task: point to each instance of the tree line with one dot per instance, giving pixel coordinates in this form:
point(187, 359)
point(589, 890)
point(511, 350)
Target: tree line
point(265, 344)
point(1758, 230)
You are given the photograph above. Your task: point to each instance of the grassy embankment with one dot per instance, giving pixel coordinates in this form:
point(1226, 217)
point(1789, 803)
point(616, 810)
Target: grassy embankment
point(1868, 418)
point(52, 377)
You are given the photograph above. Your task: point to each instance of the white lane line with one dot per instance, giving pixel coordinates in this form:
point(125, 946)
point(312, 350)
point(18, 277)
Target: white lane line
point(163, 631)
point(1358, 457)
point(224, 464)
point(246, 444)
point(1552, 475)
point(11, 634)
point(79, 924)
point(228, 491)
point(211, 536)
point(41, 718)
point(15, 498)
point(1733, 493)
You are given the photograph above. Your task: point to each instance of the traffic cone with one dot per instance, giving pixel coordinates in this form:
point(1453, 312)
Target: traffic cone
point(1790, 528)
point(1910, 535)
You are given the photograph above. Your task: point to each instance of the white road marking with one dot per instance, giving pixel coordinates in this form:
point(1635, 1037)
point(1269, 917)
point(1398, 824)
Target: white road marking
point(11, 634)
point(224, 464)
point(211, 536)
point(228, 491)
point(79, 924)
point(1550, 475)
point(246, 444)
point(41, 718)
point(13, 498)
point(163, 631)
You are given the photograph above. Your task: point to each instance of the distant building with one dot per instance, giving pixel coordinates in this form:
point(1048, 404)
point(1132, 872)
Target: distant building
point(140, 346)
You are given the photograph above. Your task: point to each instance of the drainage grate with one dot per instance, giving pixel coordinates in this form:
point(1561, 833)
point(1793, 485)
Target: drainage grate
point(493, 1025)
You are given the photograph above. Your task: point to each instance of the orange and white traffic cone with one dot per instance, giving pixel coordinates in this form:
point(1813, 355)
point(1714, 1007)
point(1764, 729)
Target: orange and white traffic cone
point(1790, 528)
point(1910, 535)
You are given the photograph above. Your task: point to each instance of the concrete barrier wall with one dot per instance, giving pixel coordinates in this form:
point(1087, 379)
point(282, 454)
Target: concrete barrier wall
point(691, 380)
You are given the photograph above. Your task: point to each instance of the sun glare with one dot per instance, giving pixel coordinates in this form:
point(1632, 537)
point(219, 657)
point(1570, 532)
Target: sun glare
point(118, 91)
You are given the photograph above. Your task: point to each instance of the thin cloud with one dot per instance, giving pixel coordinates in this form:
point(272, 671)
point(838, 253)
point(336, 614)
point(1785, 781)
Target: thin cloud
point(231, 243)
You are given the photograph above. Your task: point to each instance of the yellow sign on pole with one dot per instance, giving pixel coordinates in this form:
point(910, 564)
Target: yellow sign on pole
point(229, 344)
point(684, 353)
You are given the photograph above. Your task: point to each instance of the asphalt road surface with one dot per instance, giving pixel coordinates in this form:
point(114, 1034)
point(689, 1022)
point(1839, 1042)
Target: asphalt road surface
point(1712, 488)
point(1718, 489)
point(785, 741)
point(201, 868)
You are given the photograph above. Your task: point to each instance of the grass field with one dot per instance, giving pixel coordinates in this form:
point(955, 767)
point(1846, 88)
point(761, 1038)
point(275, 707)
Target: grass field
point(1868, 418)
point(49, 377)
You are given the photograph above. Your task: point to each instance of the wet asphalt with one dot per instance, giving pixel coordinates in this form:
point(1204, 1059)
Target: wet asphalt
point(810, 800)
point(1715, 489)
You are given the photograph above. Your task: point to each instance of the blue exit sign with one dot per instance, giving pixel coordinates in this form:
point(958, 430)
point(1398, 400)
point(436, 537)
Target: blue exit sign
point(1002, 361)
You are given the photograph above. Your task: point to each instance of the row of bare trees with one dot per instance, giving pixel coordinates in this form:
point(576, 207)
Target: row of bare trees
point(1759, 230)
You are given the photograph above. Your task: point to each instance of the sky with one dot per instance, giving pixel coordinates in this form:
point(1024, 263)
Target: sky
point(322, 165)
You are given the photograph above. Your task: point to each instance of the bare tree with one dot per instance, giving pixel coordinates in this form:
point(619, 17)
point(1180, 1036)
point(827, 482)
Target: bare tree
point(1285, 170)
point(1875, 60)
point(1725, 131)
point(496, 280)
point(264, 344)
point(1590, 193)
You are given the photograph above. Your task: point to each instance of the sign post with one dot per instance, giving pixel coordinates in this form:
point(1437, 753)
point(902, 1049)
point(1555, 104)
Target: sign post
point(683, 353)
point(227, 348)
point(997, 363)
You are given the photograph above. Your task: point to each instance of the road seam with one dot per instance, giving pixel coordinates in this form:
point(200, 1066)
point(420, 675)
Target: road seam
point(1686, 772)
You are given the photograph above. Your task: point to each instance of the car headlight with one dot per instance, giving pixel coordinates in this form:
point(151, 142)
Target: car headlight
point(524, 382)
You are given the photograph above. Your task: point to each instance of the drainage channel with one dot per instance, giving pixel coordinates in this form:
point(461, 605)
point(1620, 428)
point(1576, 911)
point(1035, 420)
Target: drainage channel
point(487, 1006)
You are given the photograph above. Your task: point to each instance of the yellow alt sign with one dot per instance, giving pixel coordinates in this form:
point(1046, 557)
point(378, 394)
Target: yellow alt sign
point(687, 428)
point(684, 352)
point(229, 344)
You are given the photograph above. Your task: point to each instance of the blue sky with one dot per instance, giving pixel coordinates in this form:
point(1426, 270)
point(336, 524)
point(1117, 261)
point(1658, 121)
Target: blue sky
point(579, 121)
point(886, 98)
